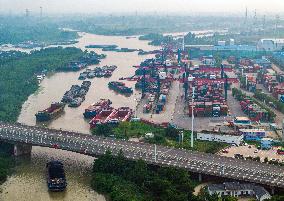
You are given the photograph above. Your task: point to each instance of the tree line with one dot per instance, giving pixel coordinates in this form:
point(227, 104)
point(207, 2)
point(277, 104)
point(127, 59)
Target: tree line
point(124, 180)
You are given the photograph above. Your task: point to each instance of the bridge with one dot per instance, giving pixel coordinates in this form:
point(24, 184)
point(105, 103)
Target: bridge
point(196, 162)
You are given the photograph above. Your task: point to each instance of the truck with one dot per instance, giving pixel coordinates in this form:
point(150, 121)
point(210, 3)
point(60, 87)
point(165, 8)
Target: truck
point(216, 110)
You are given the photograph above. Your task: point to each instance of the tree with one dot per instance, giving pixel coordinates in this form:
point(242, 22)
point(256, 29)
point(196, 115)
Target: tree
point(103, 130)
point(124, 127)
point(276, 198)
point(229, 198)
point(171, 132)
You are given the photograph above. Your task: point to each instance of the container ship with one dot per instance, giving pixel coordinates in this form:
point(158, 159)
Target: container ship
point(96, 108)
point(54, 110)
point(56, 180)
point(120, 87)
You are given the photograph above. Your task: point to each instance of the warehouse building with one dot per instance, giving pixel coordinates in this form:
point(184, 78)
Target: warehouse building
point(271, 44)
point(230, 138)
point(253, 134)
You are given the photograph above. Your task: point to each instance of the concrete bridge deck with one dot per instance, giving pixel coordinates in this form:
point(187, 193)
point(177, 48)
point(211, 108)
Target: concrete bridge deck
point(207, 164)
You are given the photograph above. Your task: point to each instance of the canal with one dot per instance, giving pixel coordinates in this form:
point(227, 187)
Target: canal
point(28, 183)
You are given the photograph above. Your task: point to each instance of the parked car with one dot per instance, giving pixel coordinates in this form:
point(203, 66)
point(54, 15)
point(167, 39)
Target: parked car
point(225, 151)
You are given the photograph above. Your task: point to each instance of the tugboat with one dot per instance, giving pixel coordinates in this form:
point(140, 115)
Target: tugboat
point(51, 112)
point(56, 180)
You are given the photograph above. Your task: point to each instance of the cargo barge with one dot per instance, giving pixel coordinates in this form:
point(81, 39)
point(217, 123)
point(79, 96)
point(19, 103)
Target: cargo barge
point(90, 58)
point(120, 115)
point(101, 46)
point(105, 71)
point(112, 116)
point(120, 87)
point(56, 180)
point(76, 95)
point(96, 108)
point(101, 117)
point(54, 110)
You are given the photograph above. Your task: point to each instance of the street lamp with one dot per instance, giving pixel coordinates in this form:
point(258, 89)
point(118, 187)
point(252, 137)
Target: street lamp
point(192, 117)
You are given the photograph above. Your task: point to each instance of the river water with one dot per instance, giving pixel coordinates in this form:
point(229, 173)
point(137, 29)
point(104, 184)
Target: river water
point(28, 183)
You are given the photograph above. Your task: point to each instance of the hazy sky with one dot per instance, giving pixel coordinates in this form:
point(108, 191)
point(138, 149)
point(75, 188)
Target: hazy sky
point(184, 6)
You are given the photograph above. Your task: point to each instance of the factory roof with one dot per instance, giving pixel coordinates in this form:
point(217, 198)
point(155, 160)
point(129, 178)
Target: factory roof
point(275, 40)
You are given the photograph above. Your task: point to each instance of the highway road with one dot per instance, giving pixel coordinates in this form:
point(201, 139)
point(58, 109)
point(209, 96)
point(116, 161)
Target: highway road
point(196, 162)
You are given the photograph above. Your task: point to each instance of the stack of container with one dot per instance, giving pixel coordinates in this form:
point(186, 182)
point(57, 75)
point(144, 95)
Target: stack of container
point(208, 100)
point(150, 102)
point(254, 112)
point(250, 84)
point(161, 103)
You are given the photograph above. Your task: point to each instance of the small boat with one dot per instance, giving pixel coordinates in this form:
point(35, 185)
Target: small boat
point(56, 180)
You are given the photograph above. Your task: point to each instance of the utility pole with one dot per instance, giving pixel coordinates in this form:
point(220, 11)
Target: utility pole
point(246, 20)
point(27, 13)
point(143, 82)
point(192, 117)
point(181, 137)
point(255, 18)
point(179, 56)
point(276, 25)
point(183, 44)
point(41, 12)
point(263, 22)
point(246, 16)
point(155, 152)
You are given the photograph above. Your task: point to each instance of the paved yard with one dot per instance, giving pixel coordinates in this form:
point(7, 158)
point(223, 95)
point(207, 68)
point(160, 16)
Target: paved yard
point(246, 151)
point(167, 114)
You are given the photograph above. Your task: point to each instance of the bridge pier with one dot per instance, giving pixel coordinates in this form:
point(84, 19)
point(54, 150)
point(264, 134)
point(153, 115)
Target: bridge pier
point(200, 177)
point(272, 191)
point(22, 149)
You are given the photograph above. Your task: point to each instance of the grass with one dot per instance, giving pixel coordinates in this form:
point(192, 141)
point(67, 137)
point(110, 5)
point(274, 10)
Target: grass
point(162, 136)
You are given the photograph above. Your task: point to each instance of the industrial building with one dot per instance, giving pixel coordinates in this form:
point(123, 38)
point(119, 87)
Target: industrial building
point(237, 189)
point(271, 44)
point(266, 143)
point(230, 138)
point(253, 134)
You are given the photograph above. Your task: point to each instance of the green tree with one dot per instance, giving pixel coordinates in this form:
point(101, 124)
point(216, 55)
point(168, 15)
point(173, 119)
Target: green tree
point(103, 130)
point(171, 132)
